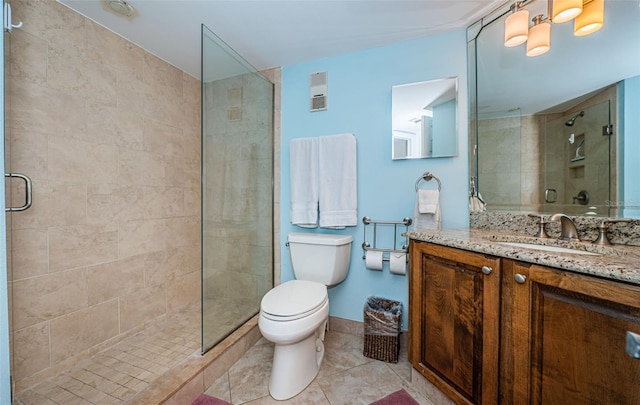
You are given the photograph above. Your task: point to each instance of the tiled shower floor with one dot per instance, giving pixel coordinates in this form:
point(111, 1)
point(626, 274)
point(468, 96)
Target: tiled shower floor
point(119, 373)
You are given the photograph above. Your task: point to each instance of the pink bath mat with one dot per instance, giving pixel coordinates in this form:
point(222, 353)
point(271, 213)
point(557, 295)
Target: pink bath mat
point(208, 400)
point(397, 398)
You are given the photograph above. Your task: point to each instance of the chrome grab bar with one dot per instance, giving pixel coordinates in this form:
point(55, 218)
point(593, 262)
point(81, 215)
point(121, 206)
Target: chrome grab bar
point(406, 221)
point(28, 193)
point(367, 247)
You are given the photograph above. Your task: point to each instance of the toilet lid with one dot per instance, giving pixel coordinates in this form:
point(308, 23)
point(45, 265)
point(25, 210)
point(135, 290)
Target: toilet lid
point(294, 299)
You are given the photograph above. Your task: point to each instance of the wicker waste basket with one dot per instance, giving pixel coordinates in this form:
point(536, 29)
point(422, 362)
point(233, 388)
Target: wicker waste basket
point(382, 321)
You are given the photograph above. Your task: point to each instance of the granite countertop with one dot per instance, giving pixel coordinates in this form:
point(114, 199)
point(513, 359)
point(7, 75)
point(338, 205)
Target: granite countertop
point(617, 262)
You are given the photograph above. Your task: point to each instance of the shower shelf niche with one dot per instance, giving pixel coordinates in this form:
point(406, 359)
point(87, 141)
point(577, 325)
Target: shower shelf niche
point(576, 150)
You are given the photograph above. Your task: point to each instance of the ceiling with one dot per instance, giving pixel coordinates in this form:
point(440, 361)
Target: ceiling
point(274, 33)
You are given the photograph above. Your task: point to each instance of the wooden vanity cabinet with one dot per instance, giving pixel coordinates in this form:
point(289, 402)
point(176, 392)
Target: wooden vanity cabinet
point(520, 333)
point(564, 338)
point(454, 321)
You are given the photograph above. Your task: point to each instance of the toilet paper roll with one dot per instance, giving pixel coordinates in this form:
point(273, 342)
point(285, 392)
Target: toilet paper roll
point(373, 260)
point(398, 263)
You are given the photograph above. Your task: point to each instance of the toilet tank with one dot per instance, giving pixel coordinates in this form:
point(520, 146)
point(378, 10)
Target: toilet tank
point(319, 257)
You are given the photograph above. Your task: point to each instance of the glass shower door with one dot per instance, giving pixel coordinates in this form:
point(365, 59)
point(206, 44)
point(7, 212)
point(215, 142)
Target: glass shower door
point(237, 189)
point(5, 230)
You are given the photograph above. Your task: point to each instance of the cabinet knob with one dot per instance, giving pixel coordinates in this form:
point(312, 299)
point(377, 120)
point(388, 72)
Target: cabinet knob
point(486, 269)
point(520, 278)
point(633, 345)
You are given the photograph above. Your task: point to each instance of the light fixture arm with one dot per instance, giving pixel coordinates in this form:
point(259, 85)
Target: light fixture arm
point(540, 18)
point(516, 6)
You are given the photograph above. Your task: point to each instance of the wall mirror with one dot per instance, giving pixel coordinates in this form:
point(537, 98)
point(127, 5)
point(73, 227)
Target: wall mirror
point(559, 132)
point(424, 119)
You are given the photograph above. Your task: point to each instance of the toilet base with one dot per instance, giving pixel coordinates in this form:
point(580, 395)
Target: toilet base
point(296, 365)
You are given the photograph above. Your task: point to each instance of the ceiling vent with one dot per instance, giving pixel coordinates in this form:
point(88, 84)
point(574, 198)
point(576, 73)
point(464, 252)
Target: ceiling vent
point(318, 87)
point(121, 8)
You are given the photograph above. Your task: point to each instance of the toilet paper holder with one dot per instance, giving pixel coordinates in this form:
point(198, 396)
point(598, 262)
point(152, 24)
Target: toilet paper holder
point(368, 247)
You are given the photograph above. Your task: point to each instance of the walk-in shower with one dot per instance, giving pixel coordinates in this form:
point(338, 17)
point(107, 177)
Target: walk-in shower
point(105, 269)
point(237, 189)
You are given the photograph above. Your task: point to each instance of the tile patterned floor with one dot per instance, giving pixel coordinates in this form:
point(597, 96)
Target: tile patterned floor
point(119, 373)
point(346, 377)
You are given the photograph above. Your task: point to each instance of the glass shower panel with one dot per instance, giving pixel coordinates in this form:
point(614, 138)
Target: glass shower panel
point(6, 342)
point(237, 189)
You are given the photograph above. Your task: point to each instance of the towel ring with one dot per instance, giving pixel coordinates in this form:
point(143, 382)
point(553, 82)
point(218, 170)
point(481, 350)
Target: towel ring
point(427, 176)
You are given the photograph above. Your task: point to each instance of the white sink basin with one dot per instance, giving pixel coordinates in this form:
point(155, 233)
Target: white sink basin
point(546, 248)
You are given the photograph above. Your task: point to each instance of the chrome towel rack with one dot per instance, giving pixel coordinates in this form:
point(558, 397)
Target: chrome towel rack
point(368, 247)
point(428, 176)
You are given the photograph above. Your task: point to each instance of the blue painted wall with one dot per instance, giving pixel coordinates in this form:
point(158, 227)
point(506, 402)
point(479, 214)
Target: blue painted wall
point(630, 126)
point(444, 122)
point(359, 102)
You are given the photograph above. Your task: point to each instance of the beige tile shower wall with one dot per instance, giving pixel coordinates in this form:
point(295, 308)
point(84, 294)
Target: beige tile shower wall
point(510, 165)
point(531, 161)
point(499, 164)
point(110, 135)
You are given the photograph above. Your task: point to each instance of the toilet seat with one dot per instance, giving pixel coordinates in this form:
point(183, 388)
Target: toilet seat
point(294, 299)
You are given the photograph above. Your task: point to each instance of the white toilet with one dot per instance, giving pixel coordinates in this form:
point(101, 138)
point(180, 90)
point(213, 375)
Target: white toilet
point(294, 314)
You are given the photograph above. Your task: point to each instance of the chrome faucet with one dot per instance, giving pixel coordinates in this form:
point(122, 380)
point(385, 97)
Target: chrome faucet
point(568, 229)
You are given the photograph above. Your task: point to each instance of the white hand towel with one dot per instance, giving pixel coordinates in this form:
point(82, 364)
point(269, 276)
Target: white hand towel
point(428, 201)
point(338, 181)
point(426, 221)
point(475, 205)
point(303, 155)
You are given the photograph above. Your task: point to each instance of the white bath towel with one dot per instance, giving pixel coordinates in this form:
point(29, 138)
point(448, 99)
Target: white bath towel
point(338, 181)
point(303, 155)
point(428, 201)
point(426, 221)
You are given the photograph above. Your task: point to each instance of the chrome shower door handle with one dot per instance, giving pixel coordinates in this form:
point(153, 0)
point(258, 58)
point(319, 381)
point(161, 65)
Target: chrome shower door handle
point(27, 193)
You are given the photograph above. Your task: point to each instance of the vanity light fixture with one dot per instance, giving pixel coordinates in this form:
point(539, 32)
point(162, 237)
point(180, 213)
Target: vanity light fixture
point(565, 10)
point(590, 20)
point(516, 26)
point(588, 15)
point(539, 36)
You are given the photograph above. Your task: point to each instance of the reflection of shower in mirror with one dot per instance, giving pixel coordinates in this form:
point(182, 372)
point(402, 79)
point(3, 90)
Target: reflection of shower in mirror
point(572, 120)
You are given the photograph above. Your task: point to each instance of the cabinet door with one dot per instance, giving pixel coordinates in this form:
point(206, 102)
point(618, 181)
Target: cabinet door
point(454, 318)
point(577, 328)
